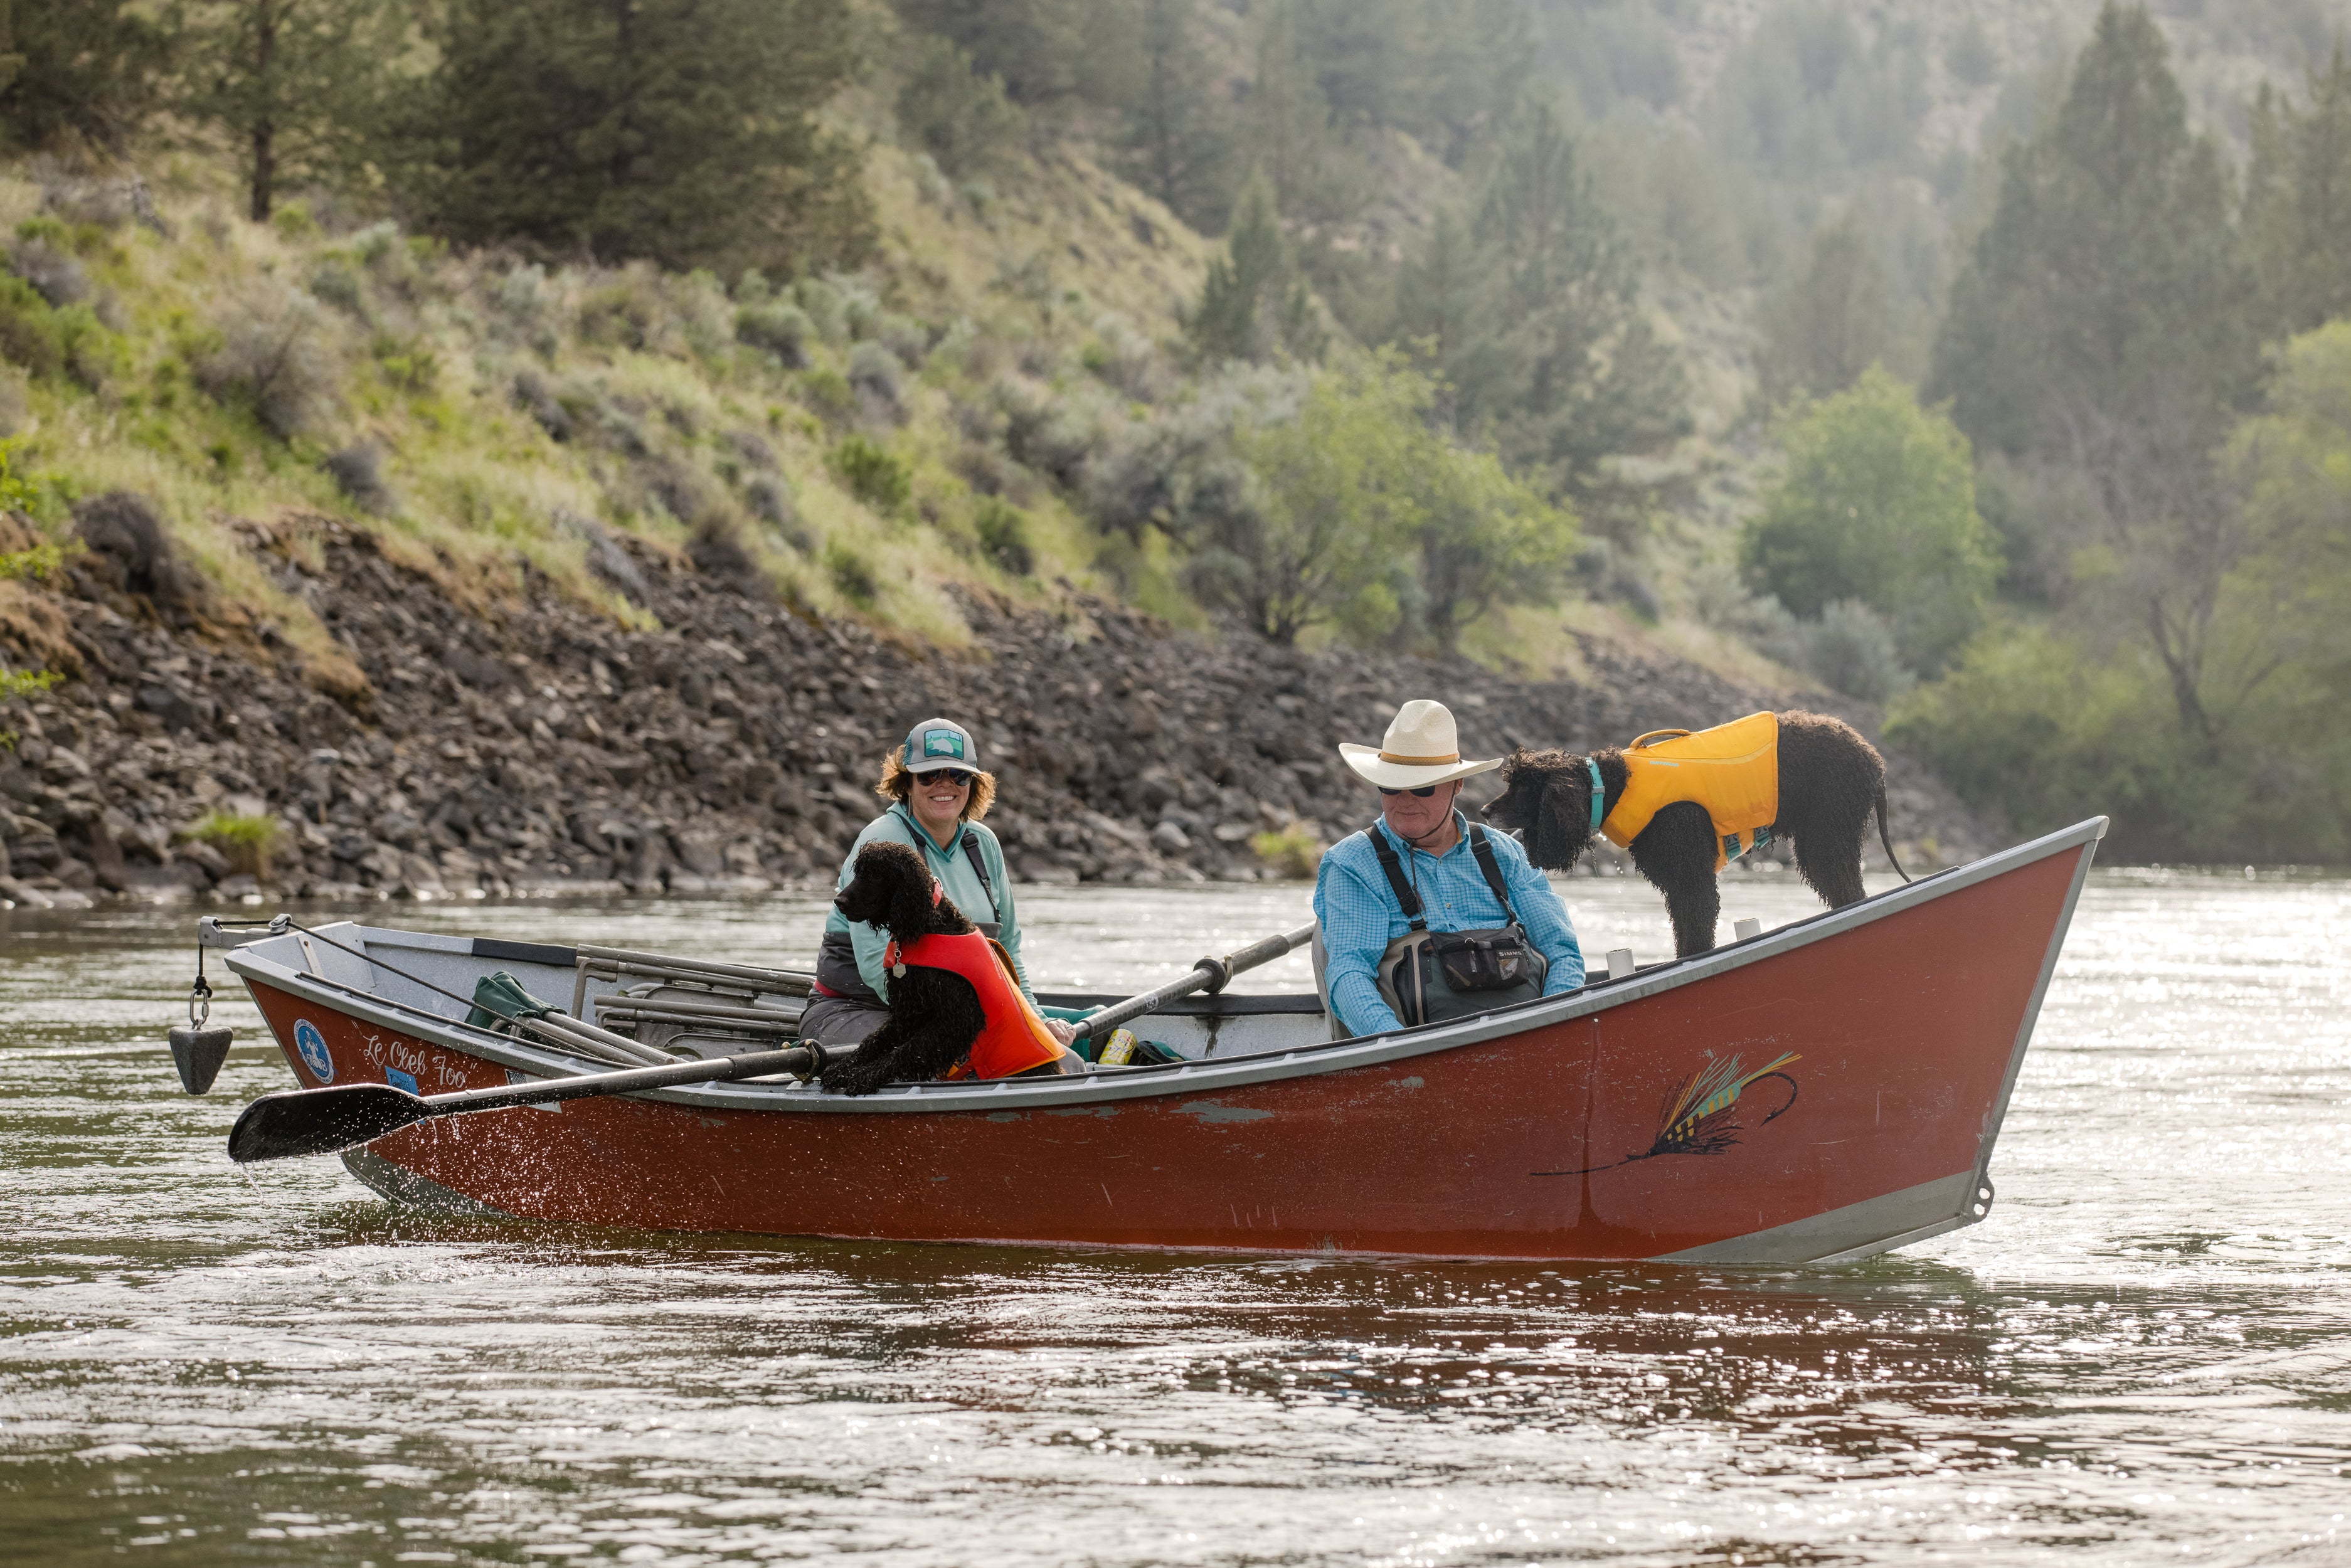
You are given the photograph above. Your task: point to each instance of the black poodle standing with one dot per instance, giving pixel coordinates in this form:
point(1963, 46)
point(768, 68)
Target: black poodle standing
point(1830, 782)
point(935, 1015)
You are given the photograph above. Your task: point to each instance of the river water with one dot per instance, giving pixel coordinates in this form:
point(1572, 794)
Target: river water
point(2144, 1354)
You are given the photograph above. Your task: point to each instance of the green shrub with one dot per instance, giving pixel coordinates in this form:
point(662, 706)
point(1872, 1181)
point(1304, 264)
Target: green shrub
point(28, 333)
point(782, 330)
point(853, 576)
point(44, 494)
point(1293, 852)
point(42, 564)
point(629, 313)
point(1003, 530)
point(408, 366)
point(2035, 726)
point(293, 220)
point(1853, 649)
point(1878, 503)
point(827, 392)
point(14, 683)
point(267, 358)
point(873, 474)
point(875, 372)
point(245, 842)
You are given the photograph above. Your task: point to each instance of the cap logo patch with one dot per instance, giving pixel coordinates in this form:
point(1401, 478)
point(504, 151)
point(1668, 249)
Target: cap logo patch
point(943, 743)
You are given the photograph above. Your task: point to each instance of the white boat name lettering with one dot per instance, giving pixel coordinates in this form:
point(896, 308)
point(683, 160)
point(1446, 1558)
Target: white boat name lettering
point(431, 1070)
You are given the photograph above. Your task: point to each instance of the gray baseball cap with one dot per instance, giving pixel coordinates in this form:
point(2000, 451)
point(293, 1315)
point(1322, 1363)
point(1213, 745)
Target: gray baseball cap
point(937, 743)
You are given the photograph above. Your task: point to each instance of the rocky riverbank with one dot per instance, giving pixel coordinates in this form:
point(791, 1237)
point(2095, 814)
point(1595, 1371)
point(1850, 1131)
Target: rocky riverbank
point(468, 743)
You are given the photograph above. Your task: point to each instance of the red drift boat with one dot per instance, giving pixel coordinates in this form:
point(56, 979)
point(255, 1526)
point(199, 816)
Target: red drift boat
point(1818, 1093)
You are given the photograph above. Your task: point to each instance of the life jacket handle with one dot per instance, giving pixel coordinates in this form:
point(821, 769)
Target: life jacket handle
point(1656, 735)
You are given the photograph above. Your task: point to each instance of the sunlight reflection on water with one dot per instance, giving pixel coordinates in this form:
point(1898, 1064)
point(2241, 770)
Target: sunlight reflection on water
point(2148, 1347)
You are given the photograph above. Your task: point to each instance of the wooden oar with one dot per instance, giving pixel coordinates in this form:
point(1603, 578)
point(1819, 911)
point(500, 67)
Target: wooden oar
point(1209, 975)
point(328, 1121)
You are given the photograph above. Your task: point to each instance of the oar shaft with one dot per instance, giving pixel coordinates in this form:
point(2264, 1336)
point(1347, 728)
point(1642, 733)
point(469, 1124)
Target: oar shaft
point(751, 1064)
point(1209, 975)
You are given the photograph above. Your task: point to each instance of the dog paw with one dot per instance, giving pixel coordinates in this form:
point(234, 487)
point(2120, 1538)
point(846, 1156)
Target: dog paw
point(849, 1078)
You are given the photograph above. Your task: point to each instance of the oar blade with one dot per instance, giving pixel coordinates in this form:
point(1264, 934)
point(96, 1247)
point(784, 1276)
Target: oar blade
point(320, 1121)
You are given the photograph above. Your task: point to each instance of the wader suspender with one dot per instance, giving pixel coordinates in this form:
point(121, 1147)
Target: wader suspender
point(971, 853)
point(1408, 988)
point(1409, 898)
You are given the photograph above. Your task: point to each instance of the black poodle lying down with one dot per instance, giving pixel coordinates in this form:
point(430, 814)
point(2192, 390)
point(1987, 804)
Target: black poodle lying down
point(936, 1015)
point(1828, 782)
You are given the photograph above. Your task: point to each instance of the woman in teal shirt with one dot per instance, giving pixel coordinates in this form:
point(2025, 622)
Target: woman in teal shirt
point(938, 795)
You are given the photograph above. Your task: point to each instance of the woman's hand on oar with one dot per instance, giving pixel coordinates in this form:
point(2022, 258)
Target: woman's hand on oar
point(1208, 974)
point(328, 1121)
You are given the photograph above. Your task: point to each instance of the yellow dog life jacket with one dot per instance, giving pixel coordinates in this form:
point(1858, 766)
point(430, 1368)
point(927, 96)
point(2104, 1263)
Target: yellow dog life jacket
point(1732, 769)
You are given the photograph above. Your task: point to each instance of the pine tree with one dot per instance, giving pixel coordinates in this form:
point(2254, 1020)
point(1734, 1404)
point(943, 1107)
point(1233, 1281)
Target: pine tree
point(1581, 376)
point(1466, 64)
point(2298, 203)
point(2110, 289)
point(1288, 124)
point(289, 80)
point(2101, 328)
point(961, 117)
point(1035, 47)
point(679, 130)
point(76, 68)
point(1449, 310)
point(1832, 321)
point(1358, 49)
point(1173, 131)
point(1253, 303)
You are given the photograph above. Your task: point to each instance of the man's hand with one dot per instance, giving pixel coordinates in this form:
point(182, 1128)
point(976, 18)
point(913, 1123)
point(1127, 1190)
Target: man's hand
point(1063, 1032)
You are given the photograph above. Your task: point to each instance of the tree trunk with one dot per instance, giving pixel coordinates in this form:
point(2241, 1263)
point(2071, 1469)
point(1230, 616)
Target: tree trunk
point(265, 169)
point(265, 128)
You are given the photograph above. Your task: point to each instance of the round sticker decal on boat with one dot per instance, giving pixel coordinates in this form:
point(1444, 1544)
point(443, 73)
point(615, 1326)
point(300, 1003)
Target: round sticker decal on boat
point(312, 1047)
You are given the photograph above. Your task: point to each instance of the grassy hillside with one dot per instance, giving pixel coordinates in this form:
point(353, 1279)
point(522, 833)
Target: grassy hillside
point(948, 415)
point(486, 417)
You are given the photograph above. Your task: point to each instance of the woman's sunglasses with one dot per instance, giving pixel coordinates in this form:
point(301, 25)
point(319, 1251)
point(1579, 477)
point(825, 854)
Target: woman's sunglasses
point(955, 775)
point(1422, 793)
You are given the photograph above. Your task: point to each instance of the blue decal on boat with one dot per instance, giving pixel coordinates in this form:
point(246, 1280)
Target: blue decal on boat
point(311, 1046)
point(399, 1080)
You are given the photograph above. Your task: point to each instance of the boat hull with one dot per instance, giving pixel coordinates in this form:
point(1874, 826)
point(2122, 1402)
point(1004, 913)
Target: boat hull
point(1824, 1092)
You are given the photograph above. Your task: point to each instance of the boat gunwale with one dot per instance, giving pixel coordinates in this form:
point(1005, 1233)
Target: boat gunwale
point(1203, 1076)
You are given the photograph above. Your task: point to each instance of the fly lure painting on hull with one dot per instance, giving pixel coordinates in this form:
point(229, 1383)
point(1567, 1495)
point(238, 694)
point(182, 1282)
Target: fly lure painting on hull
point(1696, 1119)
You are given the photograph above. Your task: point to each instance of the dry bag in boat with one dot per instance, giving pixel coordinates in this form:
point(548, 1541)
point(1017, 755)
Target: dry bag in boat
point(1429, 977)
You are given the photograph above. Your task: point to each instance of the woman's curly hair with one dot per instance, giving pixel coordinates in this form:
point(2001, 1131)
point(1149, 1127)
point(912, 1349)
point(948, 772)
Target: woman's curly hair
point(897, 782)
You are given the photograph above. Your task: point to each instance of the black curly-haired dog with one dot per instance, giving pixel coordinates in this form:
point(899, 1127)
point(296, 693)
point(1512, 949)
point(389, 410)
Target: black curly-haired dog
point(934, 1015)
point(1830, 782)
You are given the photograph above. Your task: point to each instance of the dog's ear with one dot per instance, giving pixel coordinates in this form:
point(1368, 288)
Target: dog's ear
point(911, 911)
point(863, 900)
point(1520, 785)
point(1562, 825)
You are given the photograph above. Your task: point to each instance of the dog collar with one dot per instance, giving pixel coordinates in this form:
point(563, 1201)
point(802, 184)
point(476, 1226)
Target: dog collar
point(1599, 794)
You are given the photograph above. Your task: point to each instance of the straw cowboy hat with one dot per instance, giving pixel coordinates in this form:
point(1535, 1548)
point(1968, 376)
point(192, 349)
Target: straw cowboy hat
point(1421, 748)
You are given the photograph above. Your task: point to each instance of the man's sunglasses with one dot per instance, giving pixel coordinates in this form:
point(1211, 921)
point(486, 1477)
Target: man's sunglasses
point(1424, 792)
point(955, 775)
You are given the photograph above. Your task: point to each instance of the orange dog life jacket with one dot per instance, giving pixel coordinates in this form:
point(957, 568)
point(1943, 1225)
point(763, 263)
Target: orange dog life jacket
point(1732, 769)
point(1016, 1037)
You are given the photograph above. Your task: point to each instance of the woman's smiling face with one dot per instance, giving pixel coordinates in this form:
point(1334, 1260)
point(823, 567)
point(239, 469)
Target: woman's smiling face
point(937, 801)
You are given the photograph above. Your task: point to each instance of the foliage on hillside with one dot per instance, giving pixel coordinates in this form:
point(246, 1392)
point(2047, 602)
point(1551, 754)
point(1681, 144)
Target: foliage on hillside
point(1522, 316)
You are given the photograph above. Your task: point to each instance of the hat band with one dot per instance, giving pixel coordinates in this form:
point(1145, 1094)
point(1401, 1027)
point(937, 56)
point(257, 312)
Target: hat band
point(1421, 761)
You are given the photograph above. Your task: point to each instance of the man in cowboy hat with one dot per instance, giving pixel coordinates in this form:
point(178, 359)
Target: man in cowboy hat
point(1386, 898)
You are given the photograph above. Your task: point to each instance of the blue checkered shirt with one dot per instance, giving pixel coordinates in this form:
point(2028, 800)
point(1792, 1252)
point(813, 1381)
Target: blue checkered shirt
point(1359, 916)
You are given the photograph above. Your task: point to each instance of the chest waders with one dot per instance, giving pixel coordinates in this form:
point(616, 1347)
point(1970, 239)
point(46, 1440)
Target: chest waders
point(1431, 977)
